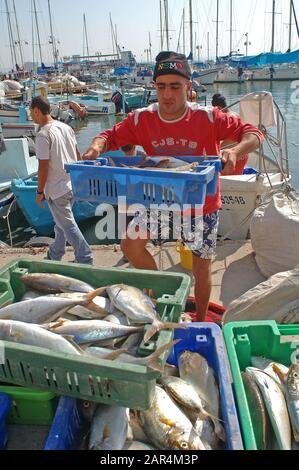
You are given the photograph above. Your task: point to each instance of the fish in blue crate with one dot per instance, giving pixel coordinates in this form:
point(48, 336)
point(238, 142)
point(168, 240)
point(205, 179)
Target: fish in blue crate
point(178, 419)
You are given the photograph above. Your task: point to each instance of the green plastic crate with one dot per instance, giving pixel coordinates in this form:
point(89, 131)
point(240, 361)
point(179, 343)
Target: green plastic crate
point(30, 407)
point(246, 339)
point(109, 382)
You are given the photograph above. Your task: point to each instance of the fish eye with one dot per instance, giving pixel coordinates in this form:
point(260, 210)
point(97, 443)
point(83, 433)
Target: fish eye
point(296, 375)
point(184, 446)
point(86, 404)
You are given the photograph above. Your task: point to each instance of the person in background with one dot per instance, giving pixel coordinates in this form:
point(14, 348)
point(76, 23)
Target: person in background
point(174, 127)
point(56, 145)
point(219, 101)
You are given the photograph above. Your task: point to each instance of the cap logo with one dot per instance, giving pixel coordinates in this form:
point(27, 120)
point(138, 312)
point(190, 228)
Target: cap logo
point(170, 66)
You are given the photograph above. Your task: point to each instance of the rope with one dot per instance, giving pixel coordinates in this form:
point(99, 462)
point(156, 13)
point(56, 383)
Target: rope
point(8, 222)
point(286, 189)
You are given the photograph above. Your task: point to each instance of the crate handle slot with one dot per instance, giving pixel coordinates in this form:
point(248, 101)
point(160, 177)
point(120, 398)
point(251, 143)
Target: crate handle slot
point(91, 385)
point(201, 339)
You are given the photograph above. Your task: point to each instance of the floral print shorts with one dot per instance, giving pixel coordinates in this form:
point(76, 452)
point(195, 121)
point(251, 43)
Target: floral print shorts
point(198, 233)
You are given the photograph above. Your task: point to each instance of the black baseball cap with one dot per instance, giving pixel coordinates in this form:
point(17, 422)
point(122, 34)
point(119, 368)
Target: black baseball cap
point(171, 63)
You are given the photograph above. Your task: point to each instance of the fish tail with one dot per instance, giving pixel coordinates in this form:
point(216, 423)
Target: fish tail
point(152, 360)
point(159, 325)
point(97, 292)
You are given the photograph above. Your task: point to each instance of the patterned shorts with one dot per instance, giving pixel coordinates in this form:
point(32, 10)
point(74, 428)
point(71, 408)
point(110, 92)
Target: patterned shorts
point(198, 233)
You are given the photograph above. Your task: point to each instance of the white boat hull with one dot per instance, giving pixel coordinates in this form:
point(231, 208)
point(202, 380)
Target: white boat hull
point(240, 197)
point(281, 74)
point(229, 76)
point(13, 131)
point(207, 77)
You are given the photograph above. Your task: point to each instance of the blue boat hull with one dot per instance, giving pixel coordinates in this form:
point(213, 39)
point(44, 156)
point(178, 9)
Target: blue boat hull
point(41, 219)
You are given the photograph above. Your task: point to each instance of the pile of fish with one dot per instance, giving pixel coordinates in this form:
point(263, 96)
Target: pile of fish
point(184, 414)
point(162, 163)
point(273, 396)
point(109, 327)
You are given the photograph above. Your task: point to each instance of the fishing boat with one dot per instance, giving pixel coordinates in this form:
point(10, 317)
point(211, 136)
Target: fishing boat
point(267, 168)
point(41, 219)
point(94, 105)
point(15, 161)
point(18, 130)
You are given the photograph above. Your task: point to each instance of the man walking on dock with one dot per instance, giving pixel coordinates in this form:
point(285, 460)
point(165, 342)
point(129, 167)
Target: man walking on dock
point(174, 127)
point(55, 146)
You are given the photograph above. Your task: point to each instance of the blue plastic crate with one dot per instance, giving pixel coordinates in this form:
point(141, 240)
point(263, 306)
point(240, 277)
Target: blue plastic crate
point(94, 182)
point(4, 409)
point(66, 429)
point(207, 340)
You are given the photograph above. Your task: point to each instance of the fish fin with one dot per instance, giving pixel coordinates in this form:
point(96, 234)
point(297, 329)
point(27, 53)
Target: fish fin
point(106, 432)
point(168, 422)
point(70, 339)
point(111, 356)
point(219, 430)
point(97, 292)
point(283, 377)
point(159, 325)
point(152, 360)
point(57, 324)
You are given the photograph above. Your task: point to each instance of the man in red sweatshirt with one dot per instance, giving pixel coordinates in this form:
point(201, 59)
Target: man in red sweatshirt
point(174, 127)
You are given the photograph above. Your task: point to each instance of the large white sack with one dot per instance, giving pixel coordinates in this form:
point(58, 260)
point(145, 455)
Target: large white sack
point(274, 232)
point(275, 299)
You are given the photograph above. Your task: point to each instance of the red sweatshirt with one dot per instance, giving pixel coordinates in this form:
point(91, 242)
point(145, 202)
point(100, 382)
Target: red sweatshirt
point(199, 132)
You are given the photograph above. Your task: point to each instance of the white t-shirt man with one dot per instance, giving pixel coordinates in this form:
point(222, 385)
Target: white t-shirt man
point(57, 143)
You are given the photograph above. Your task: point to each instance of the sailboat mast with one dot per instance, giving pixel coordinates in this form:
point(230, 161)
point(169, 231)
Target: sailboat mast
point(161, 25)
point(295, 16)
point(273, 26)
point(86, 37)
point(52, 36)
point(180, 33)
point(11, 38)
point(38, 35)
point(191, 29)
point(150, 47)
point(217, 31)
point(18, 33)
point(166, 23)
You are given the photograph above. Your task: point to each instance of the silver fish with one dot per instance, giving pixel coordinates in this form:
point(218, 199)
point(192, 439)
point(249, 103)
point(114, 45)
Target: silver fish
point(167, 427)
point(87, 409)
point(184, 394)
point(258, 412)
point(135, 445)
point(195, 370)
point(132, 343)
point(109, 428)
point(138, 308)
point(30, 294)
point(276, 406)
point(55, 283)
point(150, 361)
point(44, 309)
point(92, 331)
point(117, 318)
point(292, 393)
point(33, 335)
point(274, 369)
point(136, 432)
point(205, 430)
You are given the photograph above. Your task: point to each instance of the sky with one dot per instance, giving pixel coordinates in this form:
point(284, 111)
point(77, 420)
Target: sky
point(135, 19)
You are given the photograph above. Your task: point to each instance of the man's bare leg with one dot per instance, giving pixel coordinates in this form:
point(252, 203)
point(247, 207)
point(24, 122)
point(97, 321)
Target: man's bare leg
point(203, 286)
point(135, 251)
